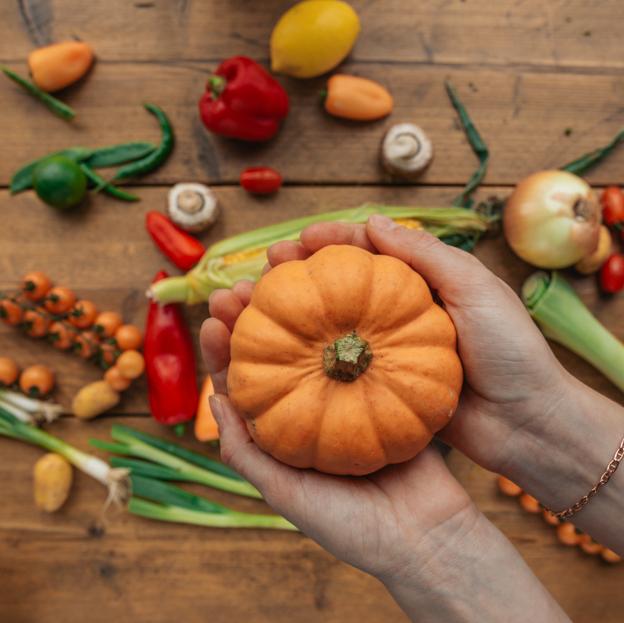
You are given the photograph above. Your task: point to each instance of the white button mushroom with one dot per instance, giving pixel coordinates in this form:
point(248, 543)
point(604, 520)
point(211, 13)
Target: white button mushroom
point(193, 207)
point(406, 151)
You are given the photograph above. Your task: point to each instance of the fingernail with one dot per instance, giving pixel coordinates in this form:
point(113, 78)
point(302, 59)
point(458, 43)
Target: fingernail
point(382, 222)
point(216, 408)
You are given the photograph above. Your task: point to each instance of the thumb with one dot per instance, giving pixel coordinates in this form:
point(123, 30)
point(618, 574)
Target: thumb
point(446, 269)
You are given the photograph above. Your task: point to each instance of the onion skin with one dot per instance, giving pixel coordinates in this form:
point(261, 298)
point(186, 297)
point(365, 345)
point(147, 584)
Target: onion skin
point(552, 219)
point(592, 262)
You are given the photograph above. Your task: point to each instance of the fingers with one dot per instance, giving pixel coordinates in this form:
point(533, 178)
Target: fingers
point(321, 235)
point(286, 251)
point(240, 452)
point(214, 339)
point(243, 291)
point(225, 306)
point(445, 268)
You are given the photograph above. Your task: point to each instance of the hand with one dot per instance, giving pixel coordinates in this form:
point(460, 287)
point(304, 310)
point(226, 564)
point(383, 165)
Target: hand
point(387, 523)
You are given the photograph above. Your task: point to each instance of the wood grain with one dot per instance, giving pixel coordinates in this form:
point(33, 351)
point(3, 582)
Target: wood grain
point(125, 259)
point(522, 115)
point(559, 33)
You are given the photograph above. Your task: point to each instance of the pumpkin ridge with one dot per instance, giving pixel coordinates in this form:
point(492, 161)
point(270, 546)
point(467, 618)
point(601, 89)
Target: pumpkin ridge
point(393, 390)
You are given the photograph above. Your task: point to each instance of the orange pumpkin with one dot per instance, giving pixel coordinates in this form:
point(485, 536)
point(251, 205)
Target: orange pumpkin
point(343, 362)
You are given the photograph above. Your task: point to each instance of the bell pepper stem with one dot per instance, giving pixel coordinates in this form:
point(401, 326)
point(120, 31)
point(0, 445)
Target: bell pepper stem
point(217, 85)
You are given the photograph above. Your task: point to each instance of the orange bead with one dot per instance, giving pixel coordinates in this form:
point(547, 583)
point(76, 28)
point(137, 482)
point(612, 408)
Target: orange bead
point(589, 546)
point(567, 534)
point(530, 504)
point(550, 518)
point(506, 487)
point(610, 556)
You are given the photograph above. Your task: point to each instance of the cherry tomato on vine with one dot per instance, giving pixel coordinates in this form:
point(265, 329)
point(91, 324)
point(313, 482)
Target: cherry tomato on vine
point(612, 274)
point(612, 201)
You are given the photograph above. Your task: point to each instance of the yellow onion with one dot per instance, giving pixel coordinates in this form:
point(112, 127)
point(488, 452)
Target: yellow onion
point(592, 262)
point(552, 219)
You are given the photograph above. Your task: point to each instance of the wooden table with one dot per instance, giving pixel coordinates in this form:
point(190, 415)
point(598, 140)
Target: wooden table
point(543, 81)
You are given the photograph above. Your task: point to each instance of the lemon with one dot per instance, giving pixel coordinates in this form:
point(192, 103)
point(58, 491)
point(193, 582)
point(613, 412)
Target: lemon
point(313, 37)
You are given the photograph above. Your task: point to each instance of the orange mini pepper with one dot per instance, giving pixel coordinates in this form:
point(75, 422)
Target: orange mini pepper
point(356, 98)
point(206, 428)
point(56, 66)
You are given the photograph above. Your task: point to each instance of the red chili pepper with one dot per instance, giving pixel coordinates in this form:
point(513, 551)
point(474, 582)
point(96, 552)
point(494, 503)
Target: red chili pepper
point(181, 248)
point(169, 364)
point(243, 101)
point(260, 180)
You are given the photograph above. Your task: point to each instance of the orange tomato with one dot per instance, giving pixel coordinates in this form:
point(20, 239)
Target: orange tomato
point(59, 300)
point(8, 371)
point(83, 314)
point(36, 380)
point(131, 364)
point(567, 534)
point(11, 312)
point(128, 337)
point(107, 323)
point(530, 504)
point(36, 323)
point(506, 487)
point(108, 354)
point(62, 335)
point(35, 285)
point(116, 380)
point(86, 344)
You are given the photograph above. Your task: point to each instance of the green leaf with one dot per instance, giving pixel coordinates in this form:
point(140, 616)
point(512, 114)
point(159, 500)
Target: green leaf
point(588, 160)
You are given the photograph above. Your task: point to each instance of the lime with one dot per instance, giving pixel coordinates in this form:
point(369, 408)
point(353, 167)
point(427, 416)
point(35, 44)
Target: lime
point(60, 182)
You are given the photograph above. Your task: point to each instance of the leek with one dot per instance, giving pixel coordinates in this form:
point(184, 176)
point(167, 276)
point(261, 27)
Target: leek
point(244, 256)
point(165, 502)
point(563, 317)
point(183, 464)
point(114, 479)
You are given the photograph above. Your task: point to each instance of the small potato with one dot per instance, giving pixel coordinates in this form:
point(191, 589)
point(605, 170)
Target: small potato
point(94, 399)
point(52, 479)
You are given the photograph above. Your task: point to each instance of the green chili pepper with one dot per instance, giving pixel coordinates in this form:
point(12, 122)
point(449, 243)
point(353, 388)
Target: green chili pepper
point(114, 155)
point(102, 184)
point(23, 179)
point(158, 156)
point(53, 104)
point(478, 146)
point(586, 161)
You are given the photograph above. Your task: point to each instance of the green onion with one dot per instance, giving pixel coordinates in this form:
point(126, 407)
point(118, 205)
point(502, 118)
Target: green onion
point(132, 443)
point(244, 256)
point(478, 146)
point(563, 317)
point(113, 155)
point(139, 467)
point(55, 105)
point(174, 504)
point(29, 410)
point(116, 480)
point(586, 161)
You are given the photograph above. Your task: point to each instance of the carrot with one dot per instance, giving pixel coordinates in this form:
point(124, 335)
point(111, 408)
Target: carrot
point(507, 487)
point(357, 98)
point(530, 504)
point(206, 428)
point(56, 66)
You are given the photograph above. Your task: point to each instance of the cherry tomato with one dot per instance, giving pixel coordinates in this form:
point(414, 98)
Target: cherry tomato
point(506, 487)
point(59, 300)
point(8, 372)
point(567, 534)
point(108, 354)
point(612, 200)
point(107, 323)
point(35, 285)
point(86, 344)
point(36, 323)
point(11, 312)
point(131, 364)
point(83, 314)
point(530, 504)
point(612, 274)
point(62, 335)
point(128, 337)
point(260, 180)
point(116, 380)
point(36, 380)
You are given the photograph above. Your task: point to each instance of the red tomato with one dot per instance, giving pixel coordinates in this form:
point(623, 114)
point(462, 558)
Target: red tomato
point(612, 200)
point(260, 180)
point(612, 274)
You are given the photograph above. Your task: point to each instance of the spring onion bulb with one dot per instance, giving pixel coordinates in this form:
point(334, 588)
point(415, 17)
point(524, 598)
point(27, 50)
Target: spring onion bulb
point(29, 410)
point(563, 317)
point(114, 479)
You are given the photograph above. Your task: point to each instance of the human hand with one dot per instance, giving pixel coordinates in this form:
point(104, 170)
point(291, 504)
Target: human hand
point(384, 523)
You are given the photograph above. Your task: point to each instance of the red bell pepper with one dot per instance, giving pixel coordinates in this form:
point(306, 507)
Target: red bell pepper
point(260, 180)
point(169, 363)
point(242, 100)
point(181, 248)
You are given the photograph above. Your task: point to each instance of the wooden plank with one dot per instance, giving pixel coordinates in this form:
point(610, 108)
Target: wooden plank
point(523, 116)
point(103, 252)
point(136, 569)
point(560, 33)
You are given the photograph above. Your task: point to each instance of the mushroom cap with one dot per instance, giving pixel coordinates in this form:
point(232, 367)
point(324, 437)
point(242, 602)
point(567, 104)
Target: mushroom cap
point(192, 206)
point(406, 150)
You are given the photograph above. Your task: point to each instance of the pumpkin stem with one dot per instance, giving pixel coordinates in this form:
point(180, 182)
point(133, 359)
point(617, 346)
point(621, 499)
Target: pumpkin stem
point(347, 357)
